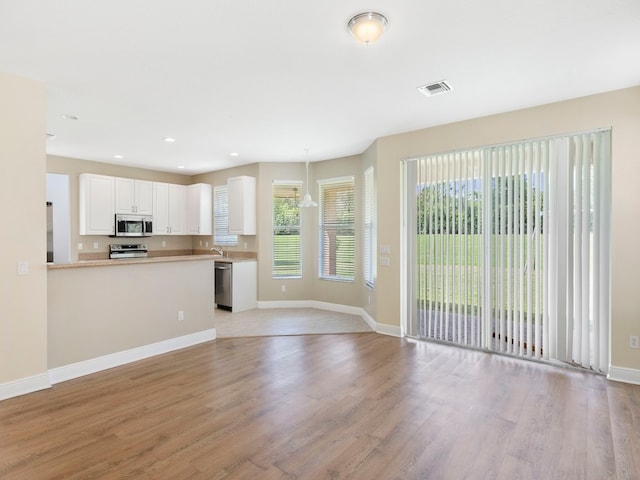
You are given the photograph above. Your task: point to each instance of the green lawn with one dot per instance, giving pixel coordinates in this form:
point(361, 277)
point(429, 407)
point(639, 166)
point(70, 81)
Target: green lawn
point(458, 259)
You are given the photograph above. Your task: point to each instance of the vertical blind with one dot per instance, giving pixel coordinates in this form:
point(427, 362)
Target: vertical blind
point(369, 233)
point(509, 248)
point(286, 258)
point(221, 235)
point(337, 229)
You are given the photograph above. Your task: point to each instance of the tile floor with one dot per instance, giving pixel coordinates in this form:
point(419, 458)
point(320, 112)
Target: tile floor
point(285, 321)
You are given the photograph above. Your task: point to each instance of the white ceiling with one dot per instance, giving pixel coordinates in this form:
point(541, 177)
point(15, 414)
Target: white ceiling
point(268, 79)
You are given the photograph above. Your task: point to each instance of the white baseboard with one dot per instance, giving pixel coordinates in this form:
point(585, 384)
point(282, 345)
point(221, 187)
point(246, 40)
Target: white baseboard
point(335, 307)
point(369, 319)
point(75, 370)
point(624, 374)
point(23, 386)
point(286, 304)
point(391, 330)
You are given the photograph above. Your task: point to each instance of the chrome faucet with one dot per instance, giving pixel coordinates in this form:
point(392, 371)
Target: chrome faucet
point(218, 251)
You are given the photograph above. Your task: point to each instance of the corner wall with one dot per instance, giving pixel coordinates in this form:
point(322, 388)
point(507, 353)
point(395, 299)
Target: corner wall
point(23, 321)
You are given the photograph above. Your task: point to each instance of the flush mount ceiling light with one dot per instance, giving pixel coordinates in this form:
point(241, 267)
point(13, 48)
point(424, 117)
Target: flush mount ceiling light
point(367, 27)
point(169, 139)
point(307, 201)
point(117, 156)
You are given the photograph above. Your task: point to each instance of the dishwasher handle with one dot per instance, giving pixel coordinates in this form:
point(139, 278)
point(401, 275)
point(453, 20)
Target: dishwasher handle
point(220, 267)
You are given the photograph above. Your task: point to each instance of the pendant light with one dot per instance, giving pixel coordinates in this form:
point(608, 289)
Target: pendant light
point(307, 201)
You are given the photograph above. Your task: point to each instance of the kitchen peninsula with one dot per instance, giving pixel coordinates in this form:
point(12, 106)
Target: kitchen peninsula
point(103, 313)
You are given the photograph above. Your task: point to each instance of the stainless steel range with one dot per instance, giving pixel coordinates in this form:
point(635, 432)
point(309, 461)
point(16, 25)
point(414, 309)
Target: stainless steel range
point(129, 250)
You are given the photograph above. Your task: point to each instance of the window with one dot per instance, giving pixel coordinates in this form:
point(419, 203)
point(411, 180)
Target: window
point(221, 235)
point(286, 258)
point(337, 232)
point(369, 240)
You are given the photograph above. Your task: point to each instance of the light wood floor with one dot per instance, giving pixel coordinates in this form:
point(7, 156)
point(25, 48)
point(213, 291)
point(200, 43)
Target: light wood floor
point(356, 406)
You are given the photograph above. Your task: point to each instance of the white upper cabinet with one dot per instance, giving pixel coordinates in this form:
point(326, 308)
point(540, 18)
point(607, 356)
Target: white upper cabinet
point(242, 205)
point(133, 196)
point(169, 209)
point(96, 204)
point(199, 209)
point(178, 209)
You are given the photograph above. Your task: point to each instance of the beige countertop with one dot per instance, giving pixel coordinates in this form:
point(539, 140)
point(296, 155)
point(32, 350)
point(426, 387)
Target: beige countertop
point(129, 261)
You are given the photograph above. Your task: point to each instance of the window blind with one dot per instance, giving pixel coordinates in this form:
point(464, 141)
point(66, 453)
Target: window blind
point(369, 233)
point(509, 248)
point(286, 258)
point(221, 235)
point(337, 229)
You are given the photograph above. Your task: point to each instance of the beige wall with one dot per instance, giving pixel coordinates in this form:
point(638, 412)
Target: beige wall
point(96, 311)
point(23, 344)
point(74, 167)
point(619, 110)
point(23, 321)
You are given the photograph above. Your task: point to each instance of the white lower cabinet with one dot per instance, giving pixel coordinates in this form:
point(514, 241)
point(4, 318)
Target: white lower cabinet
point(243, 284)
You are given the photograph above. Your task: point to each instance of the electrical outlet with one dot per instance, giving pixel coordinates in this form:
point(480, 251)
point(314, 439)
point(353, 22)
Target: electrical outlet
point(80, 246)
point(200, 242)
point(634, 342)
point(284, 288)
point(95, 245)
point(180, 315)
point(164, 243)
point(245, 245)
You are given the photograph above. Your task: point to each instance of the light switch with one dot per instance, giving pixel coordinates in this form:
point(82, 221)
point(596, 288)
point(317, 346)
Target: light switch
point(23, 267)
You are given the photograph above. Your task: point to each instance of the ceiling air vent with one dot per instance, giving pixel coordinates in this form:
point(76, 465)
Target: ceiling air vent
point(432, 89)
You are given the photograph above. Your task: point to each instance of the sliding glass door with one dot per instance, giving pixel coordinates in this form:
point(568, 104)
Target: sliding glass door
point(507, 248)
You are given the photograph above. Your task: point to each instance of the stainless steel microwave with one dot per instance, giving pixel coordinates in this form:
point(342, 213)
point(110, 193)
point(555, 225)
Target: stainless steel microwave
point(134, 225)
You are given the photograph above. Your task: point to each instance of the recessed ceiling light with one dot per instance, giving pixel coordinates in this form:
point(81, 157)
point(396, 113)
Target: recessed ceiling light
point(68, 117)
point(234, 154)
point(180, 166)
point(118, 156)
point(169, 139)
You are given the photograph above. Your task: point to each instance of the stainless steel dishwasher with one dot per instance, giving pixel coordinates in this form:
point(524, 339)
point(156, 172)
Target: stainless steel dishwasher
point(223, 277)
